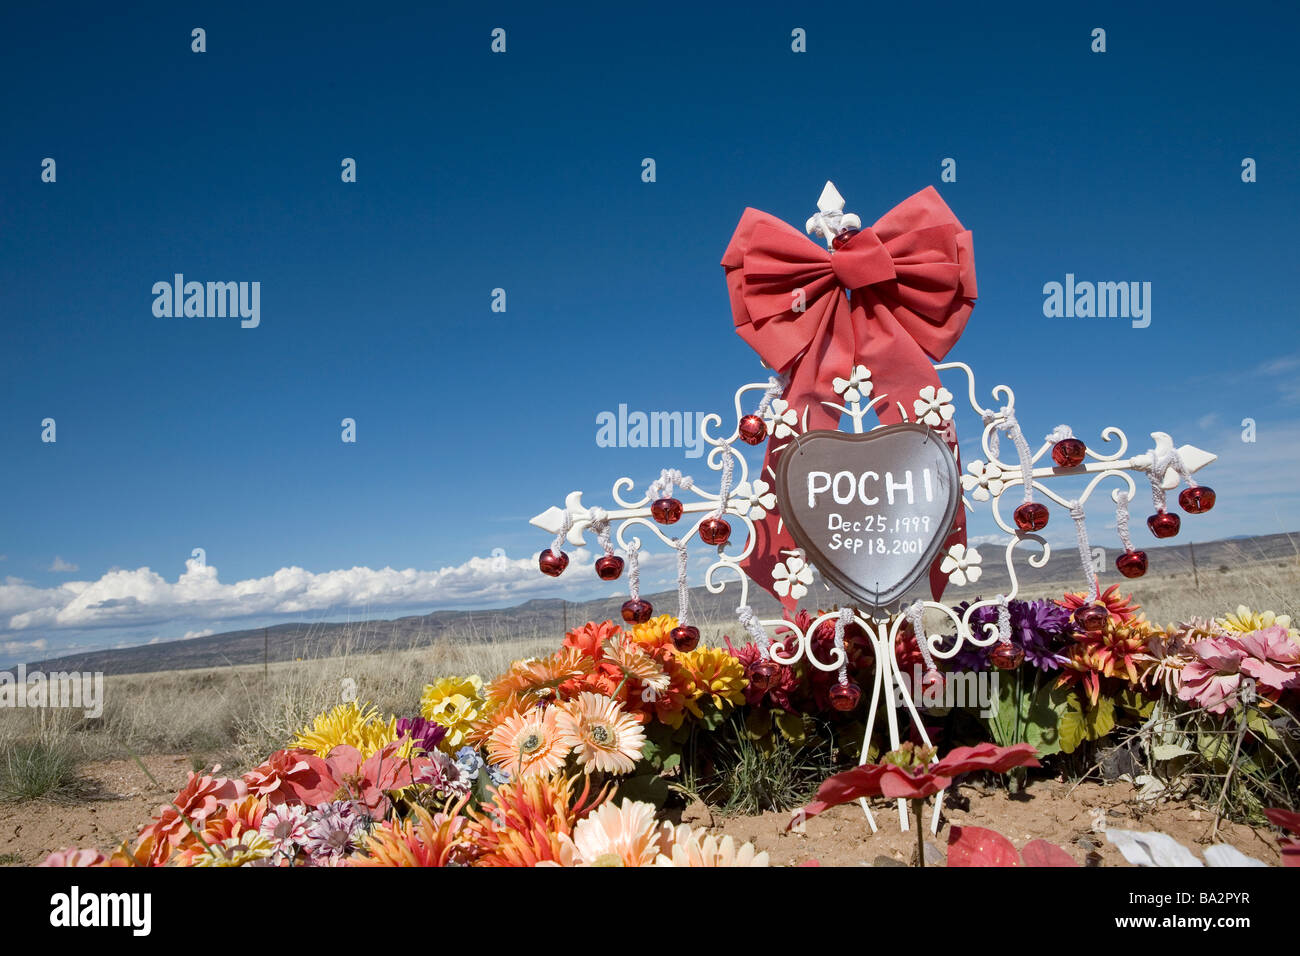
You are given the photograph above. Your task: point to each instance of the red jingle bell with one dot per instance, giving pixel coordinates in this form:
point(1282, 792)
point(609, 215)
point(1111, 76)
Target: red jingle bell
point(1031, 516)
point(753, 430)
point(715, 531)
point(1092, 617)
point(1132, 564)
point(1006, 656)
point(552, 564)
point(666, 510)
point(609, 567)
point(1164, 525)
point(842, 238)
point(762, 674)
point(845, 697)
point(637, 611)
point(1068, 452)
point(1196, 501)
point(685, 637)
point(932, 681)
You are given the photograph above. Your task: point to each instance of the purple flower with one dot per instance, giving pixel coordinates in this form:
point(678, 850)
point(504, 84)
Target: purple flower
point(426, 734)
point(1040, 628)
point(333, 830)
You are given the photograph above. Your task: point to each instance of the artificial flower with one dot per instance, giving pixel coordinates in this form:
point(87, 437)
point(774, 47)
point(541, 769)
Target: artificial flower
point(424, 734)
point(334, 830)
point(75, 857)
point(1212, 679)
point(529, 744)
point(685, 846)
point(455, 703)
point(540, 679)
point(201, 797)
point(368, 780)
point(351, 724)
point(1246, 620)
point(623, 835)
point(528, 821)
point(236, 851)
point(422, 839)
point(1121, 607)
point(602, 734)
point(292, 776)
point(715, 675)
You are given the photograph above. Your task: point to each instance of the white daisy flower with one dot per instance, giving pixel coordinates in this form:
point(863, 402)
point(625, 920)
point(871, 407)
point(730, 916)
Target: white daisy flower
point(962, 565)
point(934, 408)
point(792, 577)
point(856, 387)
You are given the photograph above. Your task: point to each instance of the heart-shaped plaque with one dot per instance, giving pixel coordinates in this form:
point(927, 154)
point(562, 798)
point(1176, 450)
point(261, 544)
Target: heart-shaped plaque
point(871, 511)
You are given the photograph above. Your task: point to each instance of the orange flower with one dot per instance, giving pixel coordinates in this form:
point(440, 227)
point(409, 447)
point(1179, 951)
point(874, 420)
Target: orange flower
point(625, 835)
point(604, 735)
point(530, 821)
point(656, 633)
point(229, 823)
point(590, 638)
point(198, 800)
point(634, 663)
point(1122, 609)
point(540, 679)
point(529, 744)
point(425, 840)
point(1117, 650)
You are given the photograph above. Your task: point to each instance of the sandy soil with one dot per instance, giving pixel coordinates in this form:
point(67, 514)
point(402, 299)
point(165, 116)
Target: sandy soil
point(1047, 810)
point(113, 800)
point(117, 798)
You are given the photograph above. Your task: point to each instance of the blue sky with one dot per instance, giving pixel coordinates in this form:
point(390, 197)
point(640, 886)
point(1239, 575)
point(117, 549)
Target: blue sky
point(522, 171)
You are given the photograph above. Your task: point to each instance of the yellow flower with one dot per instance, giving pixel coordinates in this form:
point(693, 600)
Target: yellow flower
point(454, 703)
point(236, 851)
point(714, 673)
point(687, 847)
point(357, 725)
point(656, 632)
point(1246, 620)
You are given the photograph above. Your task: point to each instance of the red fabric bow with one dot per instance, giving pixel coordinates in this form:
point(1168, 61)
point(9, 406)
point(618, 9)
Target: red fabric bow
point(895, 297)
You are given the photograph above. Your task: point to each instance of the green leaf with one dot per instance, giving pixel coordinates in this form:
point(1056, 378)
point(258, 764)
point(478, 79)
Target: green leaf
point(1134, 702)
point(1169, 751)
point(1077, 724)
point(1034, 712)
point(758, 723)
point(649, 787)
point(792, 727)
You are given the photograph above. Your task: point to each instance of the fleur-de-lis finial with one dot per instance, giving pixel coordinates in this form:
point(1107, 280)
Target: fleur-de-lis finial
point(831, 217)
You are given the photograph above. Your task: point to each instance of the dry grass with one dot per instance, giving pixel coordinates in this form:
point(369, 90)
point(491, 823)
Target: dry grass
point(237, 715)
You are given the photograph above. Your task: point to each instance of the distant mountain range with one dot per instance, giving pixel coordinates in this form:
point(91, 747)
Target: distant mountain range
point(549, 617)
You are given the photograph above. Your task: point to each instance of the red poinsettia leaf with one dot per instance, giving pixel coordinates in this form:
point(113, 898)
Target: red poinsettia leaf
point(1286, 819)
point(985, 756)
point(1042, 853)
point(843, 787)
point(896, 782)
point(976, 846)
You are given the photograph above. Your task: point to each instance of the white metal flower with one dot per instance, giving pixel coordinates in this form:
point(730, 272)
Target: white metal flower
point(781, 419)
point(758, 498)
point(856, 386)
point(934, 408)
point(792, 577)
point(984, 481)
point(962, 565)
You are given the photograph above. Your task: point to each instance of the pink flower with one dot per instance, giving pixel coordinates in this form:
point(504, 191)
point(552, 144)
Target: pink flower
point(366, 782)
point(75, 857)
point(1274, 659)
point(292, 776)
point(1212, 679)
point(199, 799)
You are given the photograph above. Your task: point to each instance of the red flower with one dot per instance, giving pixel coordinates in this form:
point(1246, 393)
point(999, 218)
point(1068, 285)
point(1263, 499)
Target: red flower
point(892, 781)
point(292, 776)
point(1288, 820)
point(976, 846)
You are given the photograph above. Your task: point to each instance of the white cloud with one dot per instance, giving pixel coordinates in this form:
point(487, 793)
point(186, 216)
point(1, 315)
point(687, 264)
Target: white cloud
point(22, 647)
point(62, 567)
point(190, 635)
point(122, 598)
